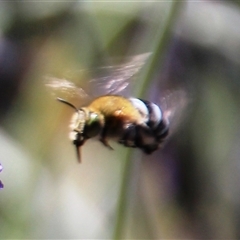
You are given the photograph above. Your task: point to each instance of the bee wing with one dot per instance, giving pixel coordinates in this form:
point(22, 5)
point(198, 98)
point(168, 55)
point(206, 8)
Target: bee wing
point(119, 77)
point(111, 80)
point(60, 87)
point(173, 105)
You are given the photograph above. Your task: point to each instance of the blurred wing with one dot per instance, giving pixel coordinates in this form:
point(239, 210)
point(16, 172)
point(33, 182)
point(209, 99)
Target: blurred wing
point(110, 80)
point(119, 77)
point(174, 105)
point(63, 88)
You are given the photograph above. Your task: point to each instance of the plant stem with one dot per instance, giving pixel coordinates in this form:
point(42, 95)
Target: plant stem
point(163, 39)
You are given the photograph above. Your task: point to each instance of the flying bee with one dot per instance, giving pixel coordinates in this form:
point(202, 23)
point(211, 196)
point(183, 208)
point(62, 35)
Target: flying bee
point(132, 122)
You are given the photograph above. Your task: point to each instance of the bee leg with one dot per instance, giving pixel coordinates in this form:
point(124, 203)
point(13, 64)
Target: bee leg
point(103, 139)
point(105, 143)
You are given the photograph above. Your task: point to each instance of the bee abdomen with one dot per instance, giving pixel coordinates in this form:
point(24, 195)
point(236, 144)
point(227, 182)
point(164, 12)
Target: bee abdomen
point(151, 113)
point(149, 135)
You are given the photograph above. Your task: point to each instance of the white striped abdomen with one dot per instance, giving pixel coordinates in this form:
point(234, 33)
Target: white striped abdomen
point(151, 134)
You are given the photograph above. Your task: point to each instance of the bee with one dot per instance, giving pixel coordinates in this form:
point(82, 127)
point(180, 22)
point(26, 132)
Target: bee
point(132, 122)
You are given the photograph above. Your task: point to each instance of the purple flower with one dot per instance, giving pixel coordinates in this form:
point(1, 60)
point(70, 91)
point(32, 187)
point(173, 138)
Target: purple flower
point(1, 184)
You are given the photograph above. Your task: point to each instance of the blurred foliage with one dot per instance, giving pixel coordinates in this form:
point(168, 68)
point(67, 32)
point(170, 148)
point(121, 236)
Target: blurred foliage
point(189, 189)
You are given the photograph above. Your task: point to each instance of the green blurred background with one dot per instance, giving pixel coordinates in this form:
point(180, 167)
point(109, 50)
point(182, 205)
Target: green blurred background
point(190, 189)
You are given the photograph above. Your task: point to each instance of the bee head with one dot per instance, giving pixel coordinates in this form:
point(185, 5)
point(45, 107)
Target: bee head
point(77, 127)
point(84, 124)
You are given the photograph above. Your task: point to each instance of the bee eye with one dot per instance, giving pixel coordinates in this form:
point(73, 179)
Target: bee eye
point(93, 125)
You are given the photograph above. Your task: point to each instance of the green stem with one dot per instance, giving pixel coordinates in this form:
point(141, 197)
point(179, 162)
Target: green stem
point(122, 201)
point(163, 39)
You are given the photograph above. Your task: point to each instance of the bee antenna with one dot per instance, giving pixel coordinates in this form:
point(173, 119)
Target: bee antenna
point(68, 103)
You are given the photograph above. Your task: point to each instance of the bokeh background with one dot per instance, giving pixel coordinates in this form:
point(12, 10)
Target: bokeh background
point(189, 189)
